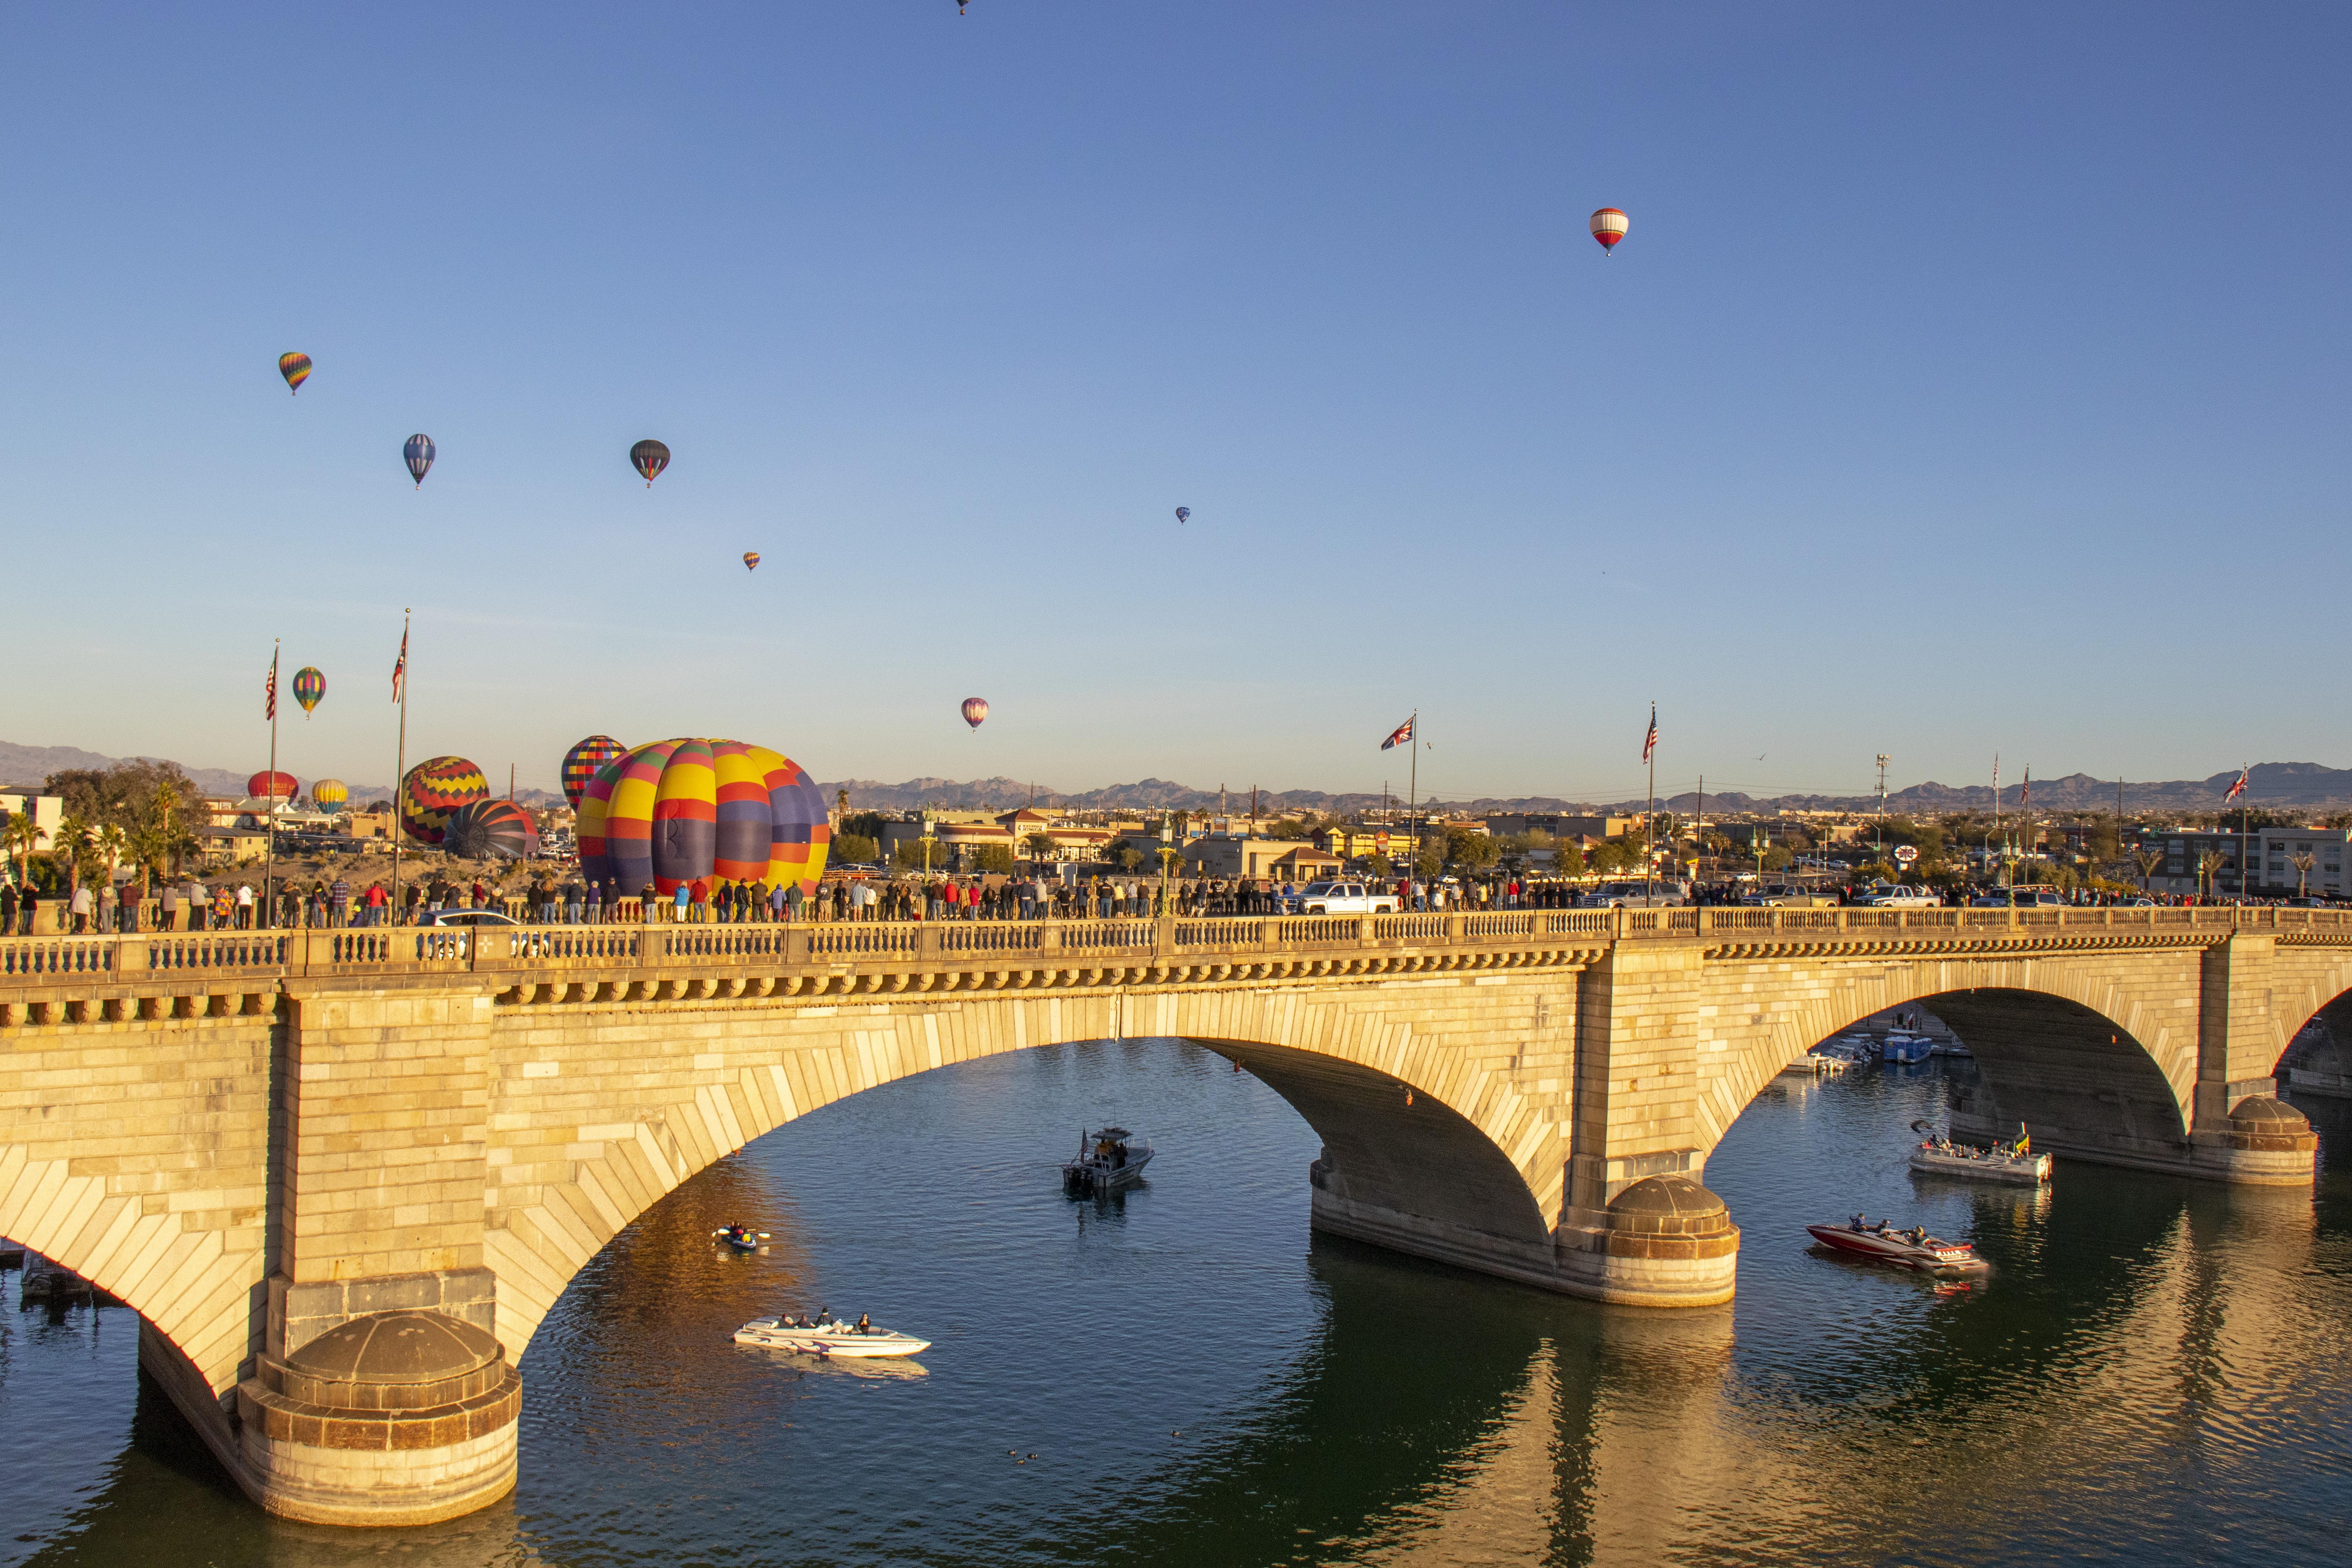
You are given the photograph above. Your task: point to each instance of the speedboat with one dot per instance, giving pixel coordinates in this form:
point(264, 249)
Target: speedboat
point(1913, 1248)
point(1108, 1160)
point(826, 1336)
point(742, 1237)
point(1903, 1047)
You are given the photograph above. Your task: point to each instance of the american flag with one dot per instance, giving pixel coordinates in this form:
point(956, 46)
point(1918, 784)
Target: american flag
point(2025, 790)
point(2240, 788)
point(400, 665)
point(1650, 741)
point(1400, 736)
point(269, 694)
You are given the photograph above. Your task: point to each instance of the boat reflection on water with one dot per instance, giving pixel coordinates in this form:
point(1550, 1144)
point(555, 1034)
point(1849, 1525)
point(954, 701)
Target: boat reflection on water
point(878, 1368)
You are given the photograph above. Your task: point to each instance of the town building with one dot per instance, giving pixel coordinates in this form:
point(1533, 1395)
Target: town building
point(1347, 843)
point(1273, 859)
point(46, 810)
point(1562, 825)
point(2271, 854)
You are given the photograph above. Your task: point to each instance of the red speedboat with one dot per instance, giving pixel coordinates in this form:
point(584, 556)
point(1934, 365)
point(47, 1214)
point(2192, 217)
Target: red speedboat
point(1913, 1248)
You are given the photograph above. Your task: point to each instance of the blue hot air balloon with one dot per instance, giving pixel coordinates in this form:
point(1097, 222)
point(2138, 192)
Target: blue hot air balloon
point(419, 456)
point(1183, 514)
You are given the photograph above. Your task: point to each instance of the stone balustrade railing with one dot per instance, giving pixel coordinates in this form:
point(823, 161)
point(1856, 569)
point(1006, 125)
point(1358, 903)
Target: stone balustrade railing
point(66, 962)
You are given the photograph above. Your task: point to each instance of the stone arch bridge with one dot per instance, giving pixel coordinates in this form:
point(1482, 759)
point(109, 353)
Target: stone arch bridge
point(342, 1175)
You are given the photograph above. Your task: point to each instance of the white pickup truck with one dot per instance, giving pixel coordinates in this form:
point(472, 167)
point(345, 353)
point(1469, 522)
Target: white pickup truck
point(1344, 898)
point(1901, 896)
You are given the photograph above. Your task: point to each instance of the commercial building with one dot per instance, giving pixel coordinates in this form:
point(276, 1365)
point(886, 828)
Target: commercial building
point(46, 810)
point(1562, 825)
point(1273, 859)
point(2271, 854)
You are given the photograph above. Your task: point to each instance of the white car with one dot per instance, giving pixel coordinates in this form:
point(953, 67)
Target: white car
point(1902, 896)
point(1344, 898)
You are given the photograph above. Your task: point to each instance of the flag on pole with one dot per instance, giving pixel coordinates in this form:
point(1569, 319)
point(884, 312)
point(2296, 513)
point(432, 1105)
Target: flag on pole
point(400, 665)
point(2240, 788)
point(1995, 780)
point(1650, 741)
point(1401, 736)
point(269, 695)
point(2025, 790)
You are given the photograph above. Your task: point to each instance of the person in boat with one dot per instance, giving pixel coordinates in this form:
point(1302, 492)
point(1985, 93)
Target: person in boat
point(1859, 1222)
point(863, 1327)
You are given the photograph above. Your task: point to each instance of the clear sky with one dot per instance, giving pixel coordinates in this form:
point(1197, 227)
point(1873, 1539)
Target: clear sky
point(1971, 378)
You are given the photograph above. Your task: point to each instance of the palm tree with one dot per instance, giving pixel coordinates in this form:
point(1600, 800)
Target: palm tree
point(2208, 863)
point(78, 844)
point(19, 836)
point(2146, 860)
point(2303, 859)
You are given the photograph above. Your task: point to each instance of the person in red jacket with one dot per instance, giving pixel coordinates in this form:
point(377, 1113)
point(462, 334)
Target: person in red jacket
point(699, 897)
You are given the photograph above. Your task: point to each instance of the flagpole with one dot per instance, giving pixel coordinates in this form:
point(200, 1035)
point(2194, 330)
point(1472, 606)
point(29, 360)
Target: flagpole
point(2242, 803)
point(1413, 788)
point(400, 764)
point(1650, 819)
point(269, 856)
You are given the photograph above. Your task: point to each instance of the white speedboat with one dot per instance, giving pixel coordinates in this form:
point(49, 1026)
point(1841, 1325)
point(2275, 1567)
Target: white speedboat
point(824, 1336)
point(1913, 1248)
point(1108, 1160)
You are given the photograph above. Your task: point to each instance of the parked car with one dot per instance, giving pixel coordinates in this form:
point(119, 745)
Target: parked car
point(1632, 896)
point(472, 918)
point(1788, 898)
point(1901, 896)
point(1344, 898)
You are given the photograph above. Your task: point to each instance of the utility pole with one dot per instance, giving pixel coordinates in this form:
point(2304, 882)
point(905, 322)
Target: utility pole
point(1882, 760)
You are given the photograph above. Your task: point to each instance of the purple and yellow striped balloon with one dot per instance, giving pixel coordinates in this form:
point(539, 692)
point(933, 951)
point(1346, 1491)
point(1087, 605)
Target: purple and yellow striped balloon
point(581, 762)
point(677, 811)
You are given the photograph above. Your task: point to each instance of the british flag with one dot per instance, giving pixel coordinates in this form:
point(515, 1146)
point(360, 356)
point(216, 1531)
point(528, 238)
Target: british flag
point(1400, 736)
point(2240, 788)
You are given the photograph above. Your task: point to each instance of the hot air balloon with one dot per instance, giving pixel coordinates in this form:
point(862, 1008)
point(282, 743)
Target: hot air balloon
point(330, 794)
point(434, 790)
point(419, 456)
point(650, 457)
point(267, 786)
point(975, 710)
point(308, 687)
point(675, 811)
point(1183, 514)
point(581, 762)
point(487, 827)
point(750, 559)
point(1608, 227)
point(296, 369)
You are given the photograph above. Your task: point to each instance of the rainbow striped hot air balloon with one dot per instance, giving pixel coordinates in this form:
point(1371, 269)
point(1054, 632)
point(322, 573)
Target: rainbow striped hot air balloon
point(678, 811)
point(296, 369)
point(581, 762)
point(434, 790)
point(329, 794)
point(486, 827)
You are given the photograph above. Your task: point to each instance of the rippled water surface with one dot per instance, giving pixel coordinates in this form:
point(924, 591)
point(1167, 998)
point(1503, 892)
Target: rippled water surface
point(2158, 1372)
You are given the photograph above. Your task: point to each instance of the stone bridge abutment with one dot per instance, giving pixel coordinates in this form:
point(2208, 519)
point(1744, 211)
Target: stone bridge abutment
point(345, 1176)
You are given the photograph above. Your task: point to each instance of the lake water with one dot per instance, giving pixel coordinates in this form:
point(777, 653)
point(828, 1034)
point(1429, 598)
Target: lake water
point(2159, 1371)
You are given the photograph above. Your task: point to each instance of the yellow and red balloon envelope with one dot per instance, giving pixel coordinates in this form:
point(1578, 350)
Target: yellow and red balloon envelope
point(265, 785)
point(434, 790)
point(677, 811)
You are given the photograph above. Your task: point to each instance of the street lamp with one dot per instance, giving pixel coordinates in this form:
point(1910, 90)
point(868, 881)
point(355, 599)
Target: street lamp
point(1167, 855)
point(931, 836)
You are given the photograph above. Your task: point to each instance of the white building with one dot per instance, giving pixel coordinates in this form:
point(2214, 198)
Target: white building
point(48, 810)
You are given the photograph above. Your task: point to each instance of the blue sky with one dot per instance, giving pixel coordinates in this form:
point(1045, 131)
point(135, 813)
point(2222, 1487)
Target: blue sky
point(1969, 380)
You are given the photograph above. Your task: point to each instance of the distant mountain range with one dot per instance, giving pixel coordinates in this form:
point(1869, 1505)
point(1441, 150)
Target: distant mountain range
point(2297, 785)
point(2276, 784)
point(31, 764)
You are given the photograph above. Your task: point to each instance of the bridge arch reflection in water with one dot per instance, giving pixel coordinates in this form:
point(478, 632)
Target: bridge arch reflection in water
point(2157, 1360)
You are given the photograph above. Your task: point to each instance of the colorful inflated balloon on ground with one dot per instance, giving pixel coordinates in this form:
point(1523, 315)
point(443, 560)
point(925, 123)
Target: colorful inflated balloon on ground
point(649, 458)
point(677, 812)
point(1183, 514)
point(308, 687)
point(488, 828)
point(265, 786)
point(581, 762)
point(750, 559)
point(418, 455)
point(296, 369)
point(329, 794)
point(975, 709)
point(435, 791)
point(1609, 228)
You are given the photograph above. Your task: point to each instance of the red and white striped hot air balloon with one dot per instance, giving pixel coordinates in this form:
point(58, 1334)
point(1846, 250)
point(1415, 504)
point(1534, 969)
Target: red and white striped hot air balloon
point(1608, 227)
point(975, 709)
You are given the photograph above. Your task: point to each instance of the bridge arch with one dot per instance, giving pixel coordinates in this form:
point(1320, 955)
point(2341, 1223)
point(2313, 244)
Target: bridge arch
point(2097, 1057)
point(1410, 1128)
